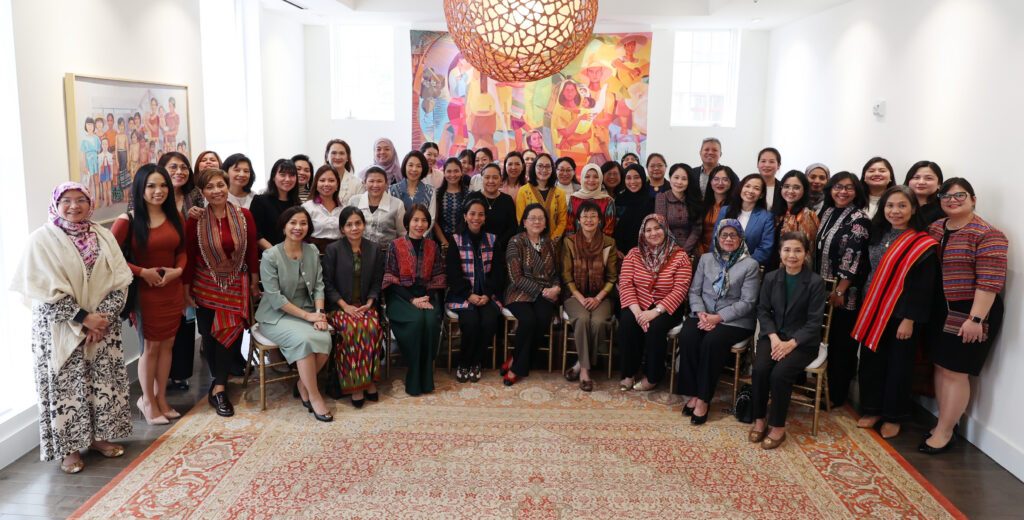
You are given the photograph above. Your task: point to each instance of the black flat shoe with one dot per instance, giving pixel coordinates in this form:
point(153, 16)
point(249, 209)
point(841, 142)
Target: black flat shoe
point(928, 450)
point(688, 411)
point(698, 420)
point(374, 397)
point(177, 384)
point(327, 417)
point(357, 403)
point(219, 402)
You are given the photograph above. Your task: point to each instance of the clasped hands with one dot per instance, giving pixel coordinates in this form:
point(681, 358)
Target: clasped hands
point(644, 318)
point(153, 278)
point(97, 324)
point(781, 349)
point(319, 320)
point(707, 322)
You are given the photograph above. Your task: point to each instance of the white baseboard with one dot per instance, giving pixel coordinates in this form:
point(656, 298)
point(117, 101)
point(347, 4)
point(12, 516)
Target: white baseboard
point(23, 429)
point(999, 448)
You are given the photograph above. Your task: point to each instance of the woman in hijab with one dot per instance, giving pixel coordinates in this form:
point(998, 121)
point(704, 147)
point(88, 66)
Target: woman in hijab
point(385, 158)
point(77, 279)
point(723, 297)
point(632, 206)
point(592, 189)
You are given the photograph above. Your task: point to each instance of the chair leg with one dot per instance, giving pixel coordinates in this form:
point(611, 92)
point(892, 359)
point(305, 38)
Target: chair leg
point(565, 345)
point(551, 345)
point(611, 345)
point(248, 364)
point(263, 380)
point(448, 325)
point(817, 404)
point(672, 366)
point(735, 377)
point(824, 383)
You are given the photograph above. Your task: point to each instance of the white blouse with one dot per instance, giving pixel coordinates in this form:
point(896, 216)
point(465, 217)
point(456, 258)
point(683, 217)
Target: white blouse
point(385, 223)
point(242, 202)
point(325, 223)
point(349, 187)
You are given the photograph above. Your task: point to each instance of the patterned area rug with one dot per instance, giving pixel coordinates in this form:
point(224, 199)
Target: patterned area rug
point(541, 449)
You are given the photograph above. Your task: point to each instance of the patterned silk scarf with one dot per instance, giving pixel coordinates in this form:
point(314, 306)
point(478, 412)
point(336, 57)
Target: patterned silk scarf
point(654, 257)
point(219, 283)
point(80, 233)
point(724, 258)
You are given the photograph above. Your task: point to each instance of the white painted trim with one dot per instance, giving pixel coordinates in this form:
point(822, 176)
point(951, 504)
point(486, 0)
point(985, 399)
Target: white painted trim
point(1002, 450)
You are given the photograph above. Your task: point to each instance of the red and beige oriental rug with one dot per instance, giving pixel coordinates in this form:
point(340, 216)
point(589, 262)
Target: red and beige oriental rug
point(541, 449)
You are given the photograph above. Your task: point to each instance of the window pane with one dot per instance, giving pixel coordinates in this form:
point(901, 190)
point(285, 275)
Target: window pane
point(704, 78)
point(362, 72)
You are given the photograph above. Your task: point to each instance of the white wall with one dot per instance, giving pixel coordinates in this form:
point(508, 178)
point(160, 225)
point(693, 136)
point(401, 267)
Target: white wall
point(950, 72)
point(741, 143)
point(284, 92)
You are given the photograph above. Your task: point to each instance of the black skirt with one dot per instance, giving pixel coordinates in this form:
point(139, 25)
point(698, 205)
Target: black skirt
point(949, 350)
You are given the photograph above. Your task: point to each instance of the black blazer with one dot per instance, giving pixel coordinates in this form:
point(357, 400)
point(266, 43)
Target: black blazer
point(802, 316)
point(338, 272)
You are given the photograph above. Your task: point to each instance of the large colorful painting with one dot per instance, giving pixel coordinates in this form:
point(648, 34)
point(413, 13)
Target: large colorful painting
point(593, 110)
point(115, 126)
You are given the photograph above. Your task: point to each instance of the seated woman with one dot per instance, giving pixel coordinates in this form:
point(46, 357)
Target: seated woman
point(748, 206)
point(722, 299)
point(680, 205)
point(473, 285)
point(291, 312)
point(415, 279)
point(899, 290)
point(353, 272)
point(593, 191)
point(385, 215)
point(533, 289)
point(324, 207)
point(790, 311)
point(590, 269)
point(653, 282)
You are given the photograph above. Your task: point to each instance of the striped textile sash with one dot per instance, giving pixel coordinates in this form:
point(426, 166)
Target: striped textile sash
point(887, 286)
point(230, 303)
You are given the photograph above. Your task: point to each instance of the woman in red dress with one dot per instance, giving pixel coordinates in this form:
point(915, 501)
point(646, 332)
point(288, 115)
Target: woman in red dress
point(156, 254)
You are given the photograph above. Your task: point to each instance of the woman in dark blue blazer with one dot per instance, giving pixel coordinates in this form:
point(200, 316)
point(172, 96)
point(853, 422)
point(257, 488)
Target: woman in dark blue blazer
point(747, 205)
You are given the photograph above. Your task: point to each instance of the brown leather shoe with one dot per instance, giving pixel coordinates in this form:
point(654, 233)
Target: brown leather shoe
point(757, 436)
point(572, 374)
point(587, 386)
point(770, 443)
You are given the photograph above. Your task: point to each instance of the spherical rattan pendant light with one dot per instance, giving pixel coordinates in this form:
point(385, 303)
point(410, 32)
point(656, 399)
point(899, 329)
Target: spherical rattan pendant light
point(520, 40)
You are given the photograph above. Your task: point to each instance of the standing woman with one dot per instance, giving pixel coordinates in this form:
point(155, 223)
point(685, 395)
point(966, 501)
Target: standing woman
point(817, 176)
point(353, 271)
point(720, 183)
point(877, 177)
point(240, 180)
point(680, 205)
point(76, 277)
point(449, 201)
point(304, 172)
point(513, 177)
point(529, 157)
point(482, 158)
point(414, 278)
point(747, 205)
point(973, 256)
point(281, 193)
point(384, 214)
point(386, 159)
point(499, 207)
point(656, 170)
point(924, 178)
point(468, 161)
point(339, 156)
point(473, 285)
point(542, 190)
point(629, 159)
point(611, 171)
point(590, 269)
point(565, 175)
point(435, 176)
point(206, 160)
point(188, 199)
point(897, 302)
point(324, 208)
point(792, 213)
point(291, 312)
point(220, 274)
point(839, 255)
point(412, 189)
point(632, 206)
point(722, 298)
point(769, 161)
point(790, 312)
point(533, 290)
point(593, 191)
point(157, 241)
point(653, 283)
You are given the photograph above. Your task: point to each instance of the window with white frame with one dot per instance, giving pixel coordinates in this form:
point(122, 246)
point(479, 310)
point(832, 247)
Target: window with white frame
point(705, 77)
point(363, 72)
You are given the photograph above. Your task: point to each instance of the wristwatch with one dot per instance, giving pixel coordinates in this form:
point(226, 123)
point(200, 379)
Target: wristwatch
point(976, 319)
point(660, 309)
point(321, 311)
point(837, 292)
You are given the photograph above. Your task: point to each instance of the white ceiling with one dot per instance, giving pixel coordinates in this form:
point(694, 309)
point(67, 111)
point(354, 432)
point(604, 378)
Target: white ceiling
point(612, 14)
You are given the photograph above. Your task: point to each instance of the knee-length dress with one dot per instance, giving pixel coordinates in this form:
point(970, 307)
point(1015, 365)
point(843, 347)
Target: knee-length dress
point(160, 307)
point(299, 282)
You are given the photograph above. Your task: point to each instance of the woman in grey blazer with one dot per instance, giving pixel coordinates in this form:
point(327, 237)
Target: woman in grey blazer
point(722, 299)
point(790, 311)
point(291, 312)
point(353, 270)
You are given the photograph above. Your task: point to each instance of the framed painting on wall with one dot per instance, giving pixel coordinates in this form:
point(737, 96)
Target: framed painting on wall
point(114, 126)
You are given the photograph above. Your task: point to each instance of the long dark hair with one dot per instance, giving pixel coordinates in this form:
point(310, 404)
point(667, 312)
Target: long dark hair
point(924, 164)
point(504, 168)
point(463, 186)
point(779, 210)
point(709, 193)
point(880, 225)
point(873, 160)
point(860, 199)
point(736, 200)
point(691, 196)
point(190, 184)
point(283, 165)
point(140, 220)
point(320, 172)
point(552, 179)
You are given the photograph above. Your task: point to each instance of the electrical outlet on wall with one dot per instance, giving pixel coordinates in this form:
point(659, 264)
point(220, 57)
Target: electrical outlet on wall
point(878, 109)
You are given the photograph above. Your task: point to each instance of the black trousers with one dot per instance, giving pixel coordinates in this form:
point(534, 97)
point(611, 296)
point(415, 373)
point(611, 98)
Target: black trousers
point(218, 356)
point(703, 354)
point(534, 321)
point(886, 375)
point(183, 352)
point(477, 326)
point(842, 355)
point(776, 378)
point(635, 343)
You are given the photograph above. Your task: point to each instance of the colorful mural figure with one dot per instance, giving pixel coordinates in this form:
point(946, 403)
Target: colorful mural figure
point(593, 110)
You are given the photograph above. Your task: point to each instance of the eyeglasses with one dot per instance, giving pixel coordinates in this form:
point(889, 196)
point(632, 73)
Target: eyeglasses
point(843, 187)
point(535, 219)
point(959, 196)
point(177, 168)
point(590, 216)
point(792, 186)
point(728, 236)
point(565, 170)
point(542, 166)
point(719, 180)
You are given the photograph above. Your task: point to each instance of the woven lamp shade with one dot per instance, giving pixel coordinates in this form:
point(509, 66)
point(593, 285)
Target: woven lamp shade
point(520, 40)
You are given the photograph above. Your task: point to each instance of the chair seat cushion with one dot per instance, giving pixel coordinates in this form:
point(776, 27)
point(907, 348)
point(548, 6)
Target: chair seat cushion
point(450, 314)
point(507, 313)
point(257, 335)
point(822, 356)
point(741, 346)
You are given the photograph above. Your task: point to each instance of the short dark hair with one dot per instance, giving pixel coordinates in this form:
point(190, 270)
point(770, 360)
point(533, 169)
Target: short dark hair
point(287, 215)
point(428, 145)
point(320, 172)
point(635, 156)
point(347, 213)
point(773, 151)
point(590, 205)
point(418, 155)
point(237, 158)
point(504, 170)
point(859, 198)
point(533, 170)
point(957, 181)
point(873, 160)
point(166, 158)
point(207, 175)
point(799, 236)
point(490, 154)
point(880, 225)
point(377, 170)
point(526, 213)
point(412, 211)
point(302, 157)
point(283, 166)
point(736, 200)
point(566, 159)
point(655, 155)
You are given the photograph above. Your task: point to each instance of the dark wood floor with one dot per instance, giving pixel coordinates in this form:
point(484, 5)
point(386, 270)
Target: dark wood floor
point(30, 489)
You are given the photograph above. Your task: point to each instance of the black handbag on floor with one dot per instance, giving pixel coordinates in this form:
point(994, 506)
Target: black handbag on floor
point(743, 409)
point(132, 301)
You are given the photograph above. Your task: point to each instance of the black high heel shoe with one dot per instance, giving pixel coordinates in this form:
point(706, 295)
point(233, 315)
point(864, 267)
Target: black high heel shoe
point(359, 403)
point(297, 395)
point(688, 411)
point(698, 420)
point(374, 397)
point(327, 417)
